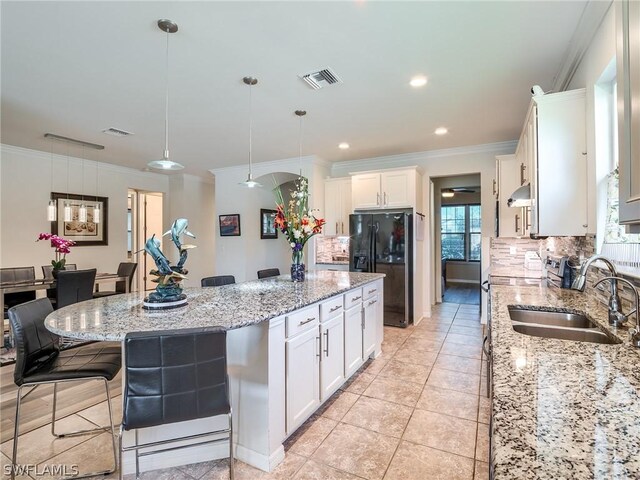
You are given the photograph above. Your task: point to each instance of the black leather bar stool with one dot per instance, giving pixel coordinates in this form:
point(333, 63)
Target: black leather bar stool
point(40, 361)
point(218, 281)
point(175, 376)
point(269, 272)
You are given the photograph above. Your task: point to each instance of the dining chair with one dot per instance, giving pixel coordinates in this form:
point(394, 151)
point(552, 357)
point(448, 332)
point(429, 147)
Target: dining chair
point(218, 281)
point(39, 361)
point(13, 275)
point(47, 273)
point(74, 286)
point(125, 269)
point(175, 376)
point(269, 272)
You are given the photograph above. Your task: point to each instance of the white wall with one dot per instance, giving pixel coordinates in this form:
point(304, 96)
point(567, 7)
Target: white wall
point(243, 256)
point(25, 186)
point(595, 61)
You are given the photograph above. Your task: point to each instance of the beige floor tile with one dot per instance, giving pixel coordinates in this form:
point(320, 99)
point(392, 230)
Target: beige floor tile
point(163, 474)
point(466, 322)
point(471, 331)
point(338, 405)
point(197, 470)
point(451, 434)
point(405, 371)
point(357, 451)
point(94, 454)
point(482, 471)
point(448, 379)
point(469, 351)
point(99, 414)
point(458, 364)
point(464, 339)
point(449, 402)
point(317, 471)
point(417, 462)
point(389, 348)
point(242, 471)
point(484, 412)
point(394, 390)
point(482, 443)
point(379, 416)
point(434, 326)
point(312, 434)
point(6, 473)
point(423, 343)
point(39, 445)
point(416, 356)
point(359, 383)
point(374, 366)
point(432, 333)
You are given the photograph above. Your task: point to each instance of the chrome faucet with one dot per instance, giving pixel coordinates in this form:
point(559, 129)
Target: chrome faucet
point(635, 333)
point(616, 317)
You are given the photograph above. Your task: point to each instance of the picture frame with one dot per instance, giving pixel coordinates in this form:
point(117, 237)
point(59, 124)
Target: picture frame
point(268, 228)
point(229, 225)
point(87, 233)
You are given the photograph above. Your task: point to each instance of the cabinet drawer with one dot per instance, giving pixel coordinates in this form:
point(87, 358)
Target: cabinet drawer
point(352, 298)
point(302, 320)
point(331, 308)
point(369, 291)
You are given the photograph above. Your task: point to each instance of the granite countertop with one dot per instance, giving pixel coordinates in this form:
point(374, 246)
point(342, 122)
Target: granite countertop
point(229, 306)
point(562, 409)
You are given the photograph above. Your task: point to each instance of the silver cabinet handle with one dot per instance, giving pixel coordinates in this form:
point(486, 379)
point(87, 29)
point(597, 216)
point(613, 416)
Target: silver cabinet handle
point(304, 322)
point(319, 347)
point(385, 198)
point(517, 221)
point(353, 299)
point(378, 198)
point(326, 350)
point(371, 291)
point(494, 186)
point(372, 302)
point(337, 228)
point(342, 223)
point(337, 307)
point(523, 167)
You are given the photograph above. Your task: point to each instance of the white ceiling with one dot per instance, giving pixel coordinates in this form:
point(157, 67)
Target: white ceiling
point(75, 68)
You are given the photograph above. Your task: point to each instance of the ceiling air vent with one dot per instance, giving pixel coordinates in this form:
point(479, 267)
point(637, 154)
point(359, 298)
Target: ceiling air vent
point(321, 78)
point(116, 132)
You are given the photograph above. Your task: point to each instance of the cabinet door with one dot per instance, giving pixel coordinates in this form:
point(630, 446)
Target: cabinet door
point(398, 189)
point(345, 206)
point(369, 324)
point(331, 356)
point(332, 211)
point(365, 191)
point(302, 377)
point(352, 340)
point(508, 182)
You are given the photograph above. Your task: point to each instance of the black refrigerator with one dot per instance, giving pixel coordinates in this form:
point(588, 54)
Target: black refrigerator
point(382, 242)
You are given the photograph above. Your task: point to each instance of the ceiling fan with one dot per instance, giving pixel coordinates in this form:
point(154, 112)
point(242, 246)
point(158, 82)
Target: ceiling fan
point(450, 192)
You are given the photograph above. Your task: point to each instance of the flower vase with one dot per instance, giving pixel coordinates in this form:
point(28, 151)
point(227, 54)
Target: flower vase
point(54, 272)
point(297, 266)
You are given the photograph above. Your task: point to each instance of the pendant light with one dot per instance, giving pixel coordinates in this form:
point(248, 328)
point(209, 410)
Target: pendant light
point(250, 182)
point(52, 209)
point(82, 211)
point(165, 163)
point(67, 206)
point(300, 114)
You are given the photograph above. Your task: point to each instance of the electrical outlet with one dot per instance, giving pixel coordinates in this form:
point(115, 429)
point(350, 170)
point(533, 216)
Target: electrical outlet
point(512, 250)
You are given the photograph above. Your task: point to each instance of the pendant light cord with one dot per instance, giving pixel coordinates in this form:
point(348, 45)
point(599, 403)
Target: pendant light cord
point(250, 127)
point(300, 146)
point(166, 104)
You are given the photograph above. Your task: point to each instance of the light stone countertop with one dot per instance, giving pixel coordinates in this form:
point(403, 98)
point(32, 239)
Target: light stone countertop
point(562, 409)
point(229, 306)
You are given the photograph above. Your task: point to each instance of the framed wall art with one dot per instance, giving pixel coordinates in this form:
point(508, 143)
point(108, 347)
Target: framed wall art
point(86, 233)
point(268, 228)
point(230, 225)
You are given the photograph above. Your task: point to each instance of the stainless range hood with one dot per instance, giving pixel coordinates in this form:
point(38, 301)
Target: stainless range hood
point(521, 197)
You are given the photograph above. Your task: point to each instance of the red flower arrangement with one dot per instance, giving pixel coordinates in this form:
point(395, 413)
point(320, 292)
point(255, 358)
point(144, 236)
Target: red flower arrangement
point(61, 247)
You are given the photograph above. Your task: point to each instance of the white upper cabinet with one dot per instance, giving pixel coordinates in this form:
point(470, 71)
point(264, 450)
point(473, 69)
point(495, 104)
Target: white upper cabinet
point(510, 220)
point(337, 202)
point(385, 189)
point(552, 158)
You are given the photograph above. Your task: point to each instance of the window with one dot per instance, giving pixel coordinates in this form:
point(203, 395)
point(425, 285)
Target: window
point(461, 232)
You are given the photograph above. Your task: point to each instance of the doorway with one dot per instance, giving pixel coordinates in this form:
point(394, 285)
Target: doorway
point(457, 239)
point(145, 218)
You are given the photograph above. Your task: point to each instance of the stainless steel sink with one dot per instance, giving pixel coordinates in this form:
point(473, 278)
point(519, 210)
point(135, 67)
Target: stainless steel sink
point(558, 324)
point(579, 335)
point(542, 317)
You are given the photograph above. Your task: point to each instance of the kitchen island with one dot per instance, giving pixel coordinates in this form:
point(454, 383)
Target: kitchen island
point(562, 409)
point(290, 346)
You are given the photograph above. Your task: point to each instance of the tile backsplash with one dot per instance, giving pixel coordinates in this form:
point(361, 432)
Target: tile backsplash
point(334, 250)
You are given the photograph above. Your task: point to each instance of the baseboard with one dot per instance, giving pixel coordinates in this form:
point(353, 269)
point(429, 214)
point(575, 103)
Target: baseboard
point(460, 280)
point(255, 459)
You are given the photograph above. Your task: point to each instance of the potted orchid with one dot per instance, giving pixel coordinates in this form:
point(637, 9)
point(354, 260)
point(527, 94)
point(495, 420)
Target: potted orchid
point(61, 247)
point(296, 221)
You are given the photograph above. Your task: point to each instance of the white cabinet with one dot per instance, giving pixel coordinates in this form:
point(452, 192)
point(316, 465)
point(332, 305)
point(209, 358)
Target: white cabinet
point(302, 377)
point(510, 220)
point(337, 206)
point(369, 326)
point(385, 189)
point(352, 339)
point(331, 356)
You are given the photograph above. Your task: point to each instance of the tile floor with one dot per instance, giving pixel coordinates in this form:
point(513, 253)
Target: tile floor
point(416, 412)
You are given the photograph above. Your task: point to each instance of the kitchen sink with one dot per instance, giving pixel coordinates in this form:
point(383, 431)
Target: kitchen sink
point(555, 318)
point(563, 325)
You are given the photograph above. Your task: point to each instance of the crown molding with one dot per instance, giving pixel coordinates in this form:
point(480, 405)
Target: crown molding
point(592, 17)
point(416, 158)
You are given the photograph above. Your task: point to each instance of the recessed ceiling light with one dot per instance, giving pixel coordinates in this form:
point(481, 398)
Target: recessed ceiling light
point(419, 81)
point(343, 146)
point(441, 131)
